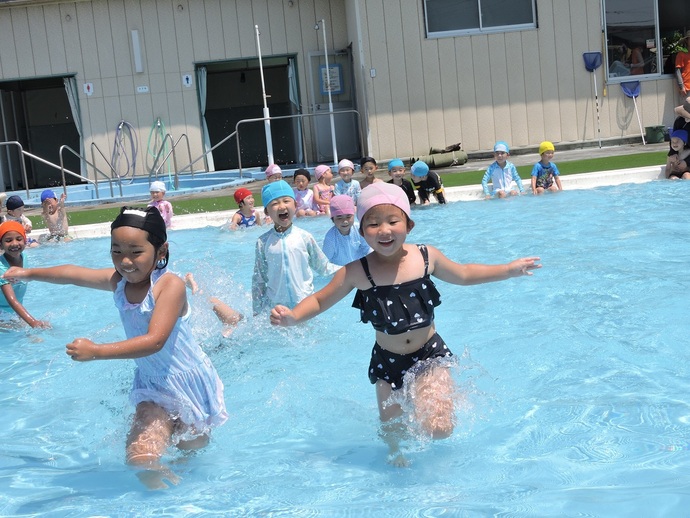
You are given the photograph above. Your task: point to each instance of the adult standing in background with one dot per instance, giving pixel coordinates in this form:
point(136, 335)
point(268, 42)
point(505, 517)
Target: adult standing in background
point(683, 77)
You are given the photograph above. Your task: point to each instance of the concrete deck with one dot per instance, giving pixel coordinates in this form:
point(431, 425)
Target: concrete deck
point(454, 194)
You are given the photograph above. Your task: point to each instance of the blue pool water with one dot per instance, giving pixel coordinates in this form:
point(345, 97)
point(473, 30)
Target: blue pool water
point(576, 379)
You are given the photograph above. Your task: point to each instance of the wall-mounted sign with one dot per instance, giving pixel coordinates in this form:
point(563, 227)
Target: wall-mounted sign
point(331, 81)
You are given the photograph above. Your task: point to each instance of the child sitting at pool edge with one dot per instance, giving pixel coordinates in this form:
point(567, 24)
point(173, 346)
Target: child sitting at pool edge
point(176, 390)
point(368, 167)
point(157, 191)
point(12, 245)
point(396, 170)
point(396, 294)
point(545, 175)
point(55, 216)
point(286, 256)
point(247, 216)
point(323, 190)
point(343, 242)
point(15, 212)
point(346, 185)
point(502, 174)
point(677, 167)
point(427, 183)
point(304, 196)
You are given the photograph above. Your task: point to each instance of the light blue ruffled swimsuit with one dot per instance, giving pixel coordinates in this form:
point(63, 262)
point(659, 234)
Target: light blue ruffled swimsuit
point(179, 377)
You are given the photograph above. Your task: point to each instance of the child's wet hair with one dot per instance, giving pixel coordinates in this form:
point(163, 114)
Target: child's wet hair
point(148, 219)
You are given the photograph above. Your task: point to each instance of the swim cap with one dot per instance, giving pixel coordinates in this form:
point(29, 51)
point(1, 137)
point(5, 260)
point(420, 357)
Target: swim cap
point(320, 169)
point(272, 191)
point(273, 169)
point(346, 163)
point(546, 146)
point(396, 162)
point(48, 193)
point(148, 219)
point(342, 205)
point(679, 133)
point(9, 226)
point(501, 146)
point(241, 194)
point(419, 168)
point(302, 172)
point(157, 187)
point(14, 202)
point(382, 193)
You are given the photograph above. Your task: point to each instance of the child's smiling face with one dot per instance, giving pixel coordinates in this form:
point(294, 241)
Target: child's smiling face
point(281, 211)
point(12, 244)
point(677, 144)
point(346, 174)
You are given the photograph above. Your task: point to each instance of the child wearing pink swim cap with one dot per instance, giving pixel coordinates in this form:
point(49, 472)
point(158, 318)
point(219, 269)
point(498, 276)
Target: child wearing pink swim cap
point(343, 242)
point(394, 292)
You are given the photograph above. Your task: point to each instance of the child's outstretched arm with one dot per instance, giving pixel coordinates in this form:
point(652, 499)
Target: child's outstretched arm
point(316, 303)
point(19, 309)
point(467, 274)
point(170, 302)
point(100, 279)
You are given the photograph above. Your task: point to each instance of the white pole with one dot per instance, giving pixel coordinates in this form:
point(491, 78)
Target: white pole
point(267, 115)
point(328, 87)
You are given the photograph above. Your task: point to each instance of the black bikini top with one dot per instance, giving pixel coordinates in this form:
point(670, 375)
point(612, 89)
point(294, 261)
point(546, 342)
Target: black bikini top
point(399, 308)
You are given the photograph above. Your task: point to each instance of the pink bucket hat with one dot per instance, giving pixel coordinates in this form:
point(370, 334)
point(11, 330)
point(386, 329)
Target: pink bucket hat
point(273, 169)
point(381, 193)
point(346, 163)
point(320, 169)
point(342, 205)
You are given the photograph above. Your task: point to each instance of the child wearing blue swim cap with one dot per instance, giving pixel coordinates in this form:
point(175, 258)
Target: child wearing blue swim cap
point(396, 170)
point(427, 183)
point(55, 216)
point(502, 174)
point(286, 256)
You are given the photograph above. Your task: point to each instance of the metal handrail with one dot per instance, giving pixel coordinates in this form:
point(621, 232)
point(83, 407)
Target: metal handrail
point(113, 172)
point(203, 155)
point(173, 146)
point(297, 115)
point(84, 178)
point(23, 165)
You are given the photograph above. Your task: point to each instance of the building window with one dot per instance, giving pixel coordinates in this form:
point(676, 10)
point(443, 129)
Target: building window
point(635, 32)
point(456, 17)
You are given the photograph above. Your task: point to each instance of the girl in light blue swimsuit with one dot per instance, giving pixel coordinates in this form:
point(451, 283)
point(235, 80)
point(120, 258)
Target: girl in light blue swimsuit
point(176, 390)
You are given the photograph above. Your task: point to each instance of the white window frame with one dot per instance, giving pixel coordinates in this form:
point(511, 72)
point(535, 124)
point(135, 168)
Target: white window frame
point(480, 29)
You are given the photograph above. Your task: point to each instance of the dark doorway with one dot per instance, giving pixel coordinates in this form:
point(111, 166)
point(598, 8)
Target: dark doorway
point(234, 93)
point(37, 114)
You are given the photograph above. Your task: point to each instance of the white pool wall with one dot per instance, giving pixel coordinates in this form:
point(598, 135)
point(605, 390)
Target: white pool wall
point(465, 193)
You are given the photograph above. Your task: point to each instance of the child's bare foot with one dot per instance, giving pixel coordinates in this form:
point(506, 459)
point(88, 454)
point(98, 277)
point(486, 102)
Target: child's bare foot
point(154, 479)
point(225, 313)
point(191, 283)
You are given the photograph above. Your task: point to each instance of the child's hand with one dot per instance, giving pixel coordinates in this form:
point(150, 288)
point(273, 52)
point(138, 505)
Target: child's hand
point(282, 316)
point(15, 274)
point(82, 350)
point(523, 266)
point(41, 324)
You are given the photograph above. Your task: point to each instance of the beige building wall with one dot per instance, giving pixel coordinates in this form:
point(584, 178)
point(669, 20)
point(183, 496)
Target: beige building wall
point(413, 92)
point(522, 87)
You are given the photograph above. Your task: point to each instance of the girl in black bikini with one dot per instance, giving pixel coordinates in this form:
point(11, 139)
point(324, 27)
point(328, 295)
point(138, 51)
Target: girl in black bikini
point(396, 294)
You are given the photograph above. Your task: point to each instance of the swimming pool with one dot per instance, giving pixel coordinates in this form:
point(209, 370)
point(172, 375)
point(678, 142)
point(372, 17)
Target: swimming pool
point(576, 379)
point(138, 189)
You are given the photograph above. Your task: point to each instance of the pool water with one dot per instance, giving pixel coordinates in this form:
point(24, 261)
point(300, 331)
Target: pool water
point(576, 379)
